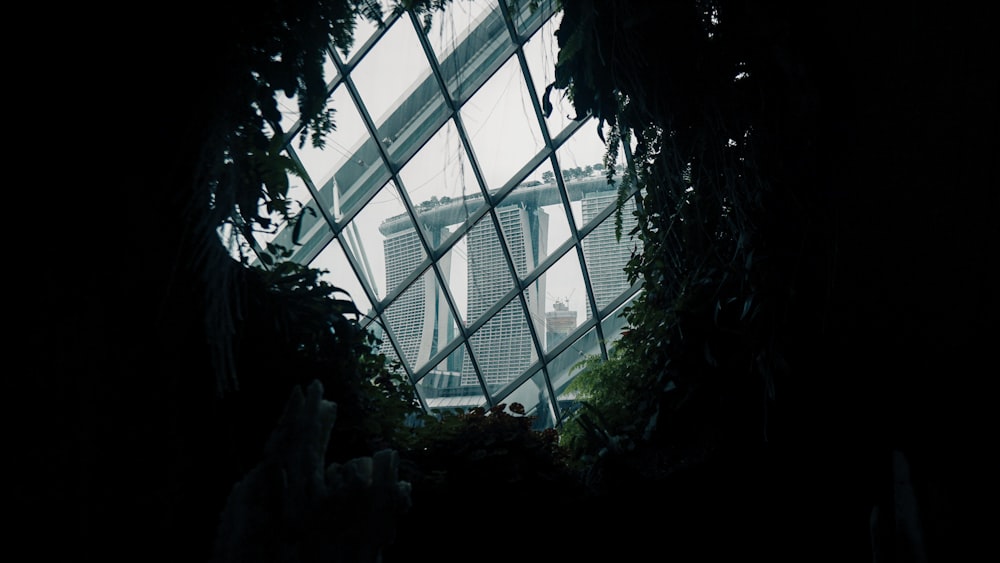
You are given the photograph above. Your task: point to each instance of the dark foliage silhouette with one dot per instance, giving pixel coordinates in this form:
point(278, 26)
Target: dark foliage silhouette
point(861, 171)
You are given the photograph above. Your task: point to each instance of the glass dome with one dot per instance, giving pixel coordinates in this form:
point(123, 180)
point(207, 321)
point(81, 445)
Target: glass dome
point(475, 233)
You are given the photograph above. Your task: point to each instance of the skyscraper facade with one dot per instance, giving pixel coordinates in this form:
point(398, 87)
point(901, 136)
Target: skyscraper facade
point(503, 346)
point(606, 257)
point(419, 317)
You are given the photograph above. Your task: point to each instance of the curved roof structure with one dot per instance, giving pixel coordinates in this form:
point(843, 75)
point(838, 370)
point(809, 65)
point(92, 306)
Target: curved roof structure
point(458, 215)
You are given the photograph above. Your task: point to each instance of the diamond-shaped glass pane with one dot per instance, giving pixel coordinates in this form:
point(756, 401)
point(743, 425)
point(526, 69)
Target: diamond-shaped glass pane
point(339, 272)
point(347, 154)
point(456, 263)
point(564, 367)
point(383, 236)
point(540, 226)
point(548, 199)
point(441, 184)
point(565, 299)
point(503, 347)
point(470, 42)
point(502, 125)
point(524, 226)
point(364, 30)
point(421, 321)
point(541, 53)
point(388, 74)
point(457, 28)
point(442, 387)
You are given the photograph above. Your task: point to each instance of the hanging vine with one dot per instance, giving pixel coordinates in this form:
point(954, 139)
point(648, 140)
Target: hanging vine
point(703, 332)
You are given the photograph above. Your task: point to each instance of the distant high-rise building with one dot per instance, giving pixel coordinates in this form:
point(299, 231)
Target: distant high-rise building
point(503, 346)
point(419, 318)
point(606, 257)
point(559, 323)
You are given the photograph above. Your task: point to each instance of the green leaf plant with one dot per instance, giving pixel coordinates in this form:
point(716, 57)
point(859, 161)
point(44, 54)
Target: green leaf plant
point(693, 371)
point(273, 50)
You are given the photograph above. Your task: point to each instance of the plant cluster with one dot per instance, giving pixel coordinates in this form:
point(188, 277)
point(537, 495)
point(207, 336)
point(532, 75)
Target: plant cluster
point(698, 359)
point(498, 441)
point(695, 369)
point(275, 51)
point(318, 337)
point(291, 328)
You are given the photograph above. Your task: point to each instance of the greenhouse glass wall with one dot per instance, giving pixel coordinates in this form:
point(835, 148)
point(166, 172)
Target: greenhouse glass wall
point(475, 233)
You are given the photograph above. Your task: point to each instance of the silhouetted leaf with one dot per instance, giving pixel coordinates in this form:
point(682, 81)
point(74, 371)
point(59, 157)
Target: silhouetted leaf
point(297, 231)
